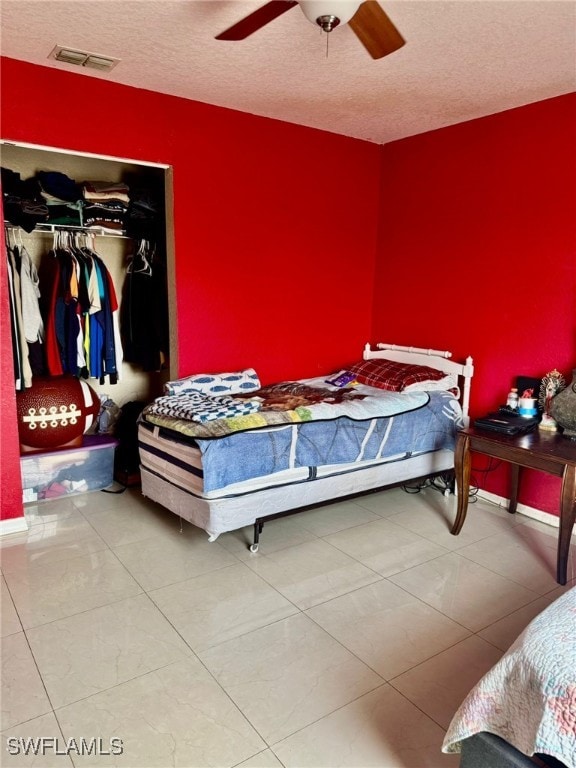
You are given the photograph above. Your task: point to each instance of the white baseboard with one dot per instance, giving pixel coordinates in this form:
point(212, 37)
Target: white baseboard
point(13, 525)
point(522, 509)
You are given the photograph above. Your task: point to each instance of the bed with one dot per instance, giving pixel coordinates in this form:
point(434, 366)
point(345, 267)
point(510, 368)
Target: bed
point(522, 713)
point(386, 419)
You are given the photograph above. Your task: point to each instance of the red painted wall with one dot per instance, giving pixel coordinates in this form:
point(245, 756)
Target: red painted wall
point(477, 254)
point(276, 248)
point(275, 244)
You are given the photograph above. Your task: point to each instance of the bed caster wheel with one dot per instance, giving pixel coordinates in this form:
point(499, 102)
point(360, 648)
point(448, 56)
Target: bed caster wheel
point(254, 547)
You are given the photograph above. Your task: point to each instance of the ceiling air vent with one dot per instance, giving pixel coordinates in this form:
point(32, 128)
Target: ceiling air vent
point(83, 58)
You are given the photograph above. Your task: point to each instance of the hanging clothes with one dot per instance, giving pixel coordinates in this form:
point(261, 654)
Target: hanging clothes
point(25, 317)
point(143, 321)
point(80, 315)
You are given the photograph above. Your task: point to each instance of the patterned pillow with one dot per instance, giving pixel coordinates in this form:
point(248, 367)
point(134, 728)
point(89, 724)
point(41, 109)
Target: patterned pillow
point(215, 384)
point(393, 376)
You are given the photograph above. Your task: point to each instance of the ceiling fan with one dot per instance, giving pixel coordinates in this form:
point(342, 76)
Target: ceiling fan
point(367, 20)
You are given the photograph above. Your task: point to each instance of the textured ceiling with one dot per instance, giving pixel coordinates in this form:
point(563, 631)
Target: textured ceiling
point(462, 60)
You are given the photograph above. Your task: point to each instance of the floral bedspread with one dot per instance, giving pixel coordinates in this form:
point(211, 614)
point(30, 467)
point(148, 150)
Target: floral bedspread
point(529, 697)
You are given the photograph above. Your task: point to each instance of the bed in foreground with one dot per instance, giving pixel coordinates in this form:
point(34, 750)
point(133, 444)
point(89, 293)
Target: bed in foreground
point(522, 713)
point(229, 462)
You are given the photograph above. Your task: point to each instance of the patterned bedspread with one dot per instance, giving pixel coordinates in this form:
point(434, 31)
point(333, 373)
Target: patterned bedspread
point(286, 403)
point(529, 697)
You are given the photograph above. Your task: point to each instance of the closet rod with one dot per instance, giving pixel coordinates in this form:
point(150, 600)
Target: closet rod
point(51, 228)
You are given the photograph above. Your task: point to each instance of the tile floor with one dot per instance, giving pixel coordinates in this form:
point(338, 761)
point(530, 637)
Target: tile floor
point(349, 640)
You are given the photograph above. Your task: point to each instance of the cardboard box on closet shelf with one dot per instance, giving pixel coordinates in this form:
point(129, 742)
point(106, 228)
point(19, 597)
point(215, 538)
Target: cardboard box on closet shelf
point(52, 474)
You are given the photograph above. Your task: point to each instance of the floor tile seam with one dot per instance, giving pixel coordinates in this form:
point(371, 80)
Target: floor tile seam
point(344, 594)
point(273, 744)
point(147, 590)
point(432, 538)
point(242, 714)
point(32, 566)
point(85, 610)
point(429, 606)
point(342, 646)
point(508, 578)
point(418, 565)
point(370, 568)
point(110, 545)
point(281, 594)
point(435, 655)
point(61, 729)
point(97, 608)
point(197, 576)
point(345, 647)
point(335, 548)
point(9, 728)
point(419, 708)
point(477, 629)
point(478, 540)
point(122, 682)
point(250, 631)
point(261, 752)
point(49, 699)
point(508, 615)
point(33, 521)
point(323, 536)
point(509, 530)
point(414, 533)
point(32, 530)
point(468, 559)
point(218, 644)
point(15, 608)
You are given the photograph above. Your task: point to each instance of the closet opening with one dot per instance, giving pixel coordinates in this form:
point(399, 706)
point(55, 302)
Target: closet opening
point(122, 220)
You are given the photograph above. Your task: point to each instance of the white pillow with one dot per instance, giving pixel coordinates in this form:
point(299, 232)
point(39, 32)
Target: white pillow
point(215, 384)
point(450, 381)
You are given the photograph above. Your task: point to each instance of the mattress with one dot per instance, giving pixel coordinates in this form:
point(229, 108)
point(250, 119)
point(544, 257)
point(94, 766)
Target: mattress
point(285, 453)
point(231, 511)
point(179, 462)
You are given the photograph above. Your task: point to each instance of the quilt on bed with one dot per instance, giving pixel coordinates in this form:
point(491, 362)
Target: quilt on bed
point(529, 697)
point(420, 422)
point(285, 403)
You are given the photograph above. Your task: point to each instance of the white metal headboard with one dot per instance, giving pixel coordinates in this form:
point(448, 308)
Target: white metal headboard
point(434, 358)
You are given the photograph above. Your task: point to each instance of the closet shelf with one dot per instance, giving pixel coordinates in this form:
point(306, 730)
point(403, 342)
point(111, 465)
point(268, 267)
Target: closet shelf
point(51, 228)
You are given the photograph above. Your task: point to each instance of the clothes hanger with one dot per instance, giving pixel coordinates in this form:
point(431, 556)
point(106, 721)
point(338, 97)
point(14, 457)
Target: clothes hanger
point(143, 253)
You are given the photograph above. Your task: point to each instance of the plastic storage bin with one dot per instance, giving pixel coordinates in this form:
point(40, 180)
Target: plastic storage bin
point(52, 474)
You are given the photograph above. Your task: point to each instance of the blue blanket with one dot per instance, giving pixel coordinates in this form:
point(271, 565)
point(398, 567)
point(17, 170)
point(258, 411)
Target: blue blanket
point(264, 451)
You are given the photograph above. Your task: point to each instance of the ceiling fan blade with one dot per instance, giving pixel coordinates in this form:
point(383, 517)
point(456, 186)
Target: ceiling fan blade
point(259, 18)
point(375, 30)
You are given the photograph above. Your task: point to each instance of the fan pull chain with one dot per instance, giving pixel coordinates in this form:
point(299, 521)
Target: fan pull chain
point(327, 39)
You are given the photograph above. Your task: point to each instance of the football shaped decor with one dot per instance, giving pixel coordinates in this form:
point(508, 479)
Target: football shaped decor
point(54, 412)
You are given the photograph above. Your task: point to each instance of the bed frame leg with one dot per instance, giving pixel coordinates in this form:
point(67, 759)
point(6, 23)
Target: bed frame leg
point(258, 525)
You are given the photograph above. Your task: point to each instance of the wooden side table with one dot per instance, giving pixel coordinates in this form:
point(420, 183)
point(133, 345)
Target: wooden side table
point(544, 451)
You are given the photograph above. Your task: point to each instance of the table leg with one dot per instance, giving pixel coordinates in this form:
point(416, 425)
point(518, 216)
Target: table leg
point(462, 469)
point(514, 481)
point(567, 517)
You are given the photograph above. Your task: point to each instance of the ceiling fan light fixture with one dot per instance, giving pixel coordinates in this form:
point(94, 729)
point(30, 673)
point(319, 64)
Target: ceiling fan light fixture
point(327, 23)
point(328, 14)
